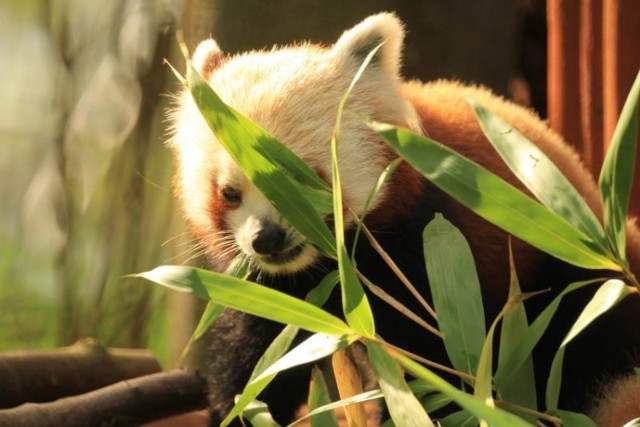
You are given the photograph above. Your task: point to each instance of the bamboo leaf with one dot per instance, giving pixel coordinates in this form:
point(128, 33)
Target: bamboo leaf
point(403, 406)
point(523, 349)
point(607, 296)
point(459, 419)
point(257, 413)
point(270, 166)
point(359, 398)
point(280, 345)
point(384, 176)
point(494, 416)
point(355, 304)
point(238, 268)
point(313, 348)
point(211, 313)
point(495, 200)
point(456, 293)
point(319, 397)
point(539, 174)
point(433, 402)
point(572, 419)
point(418, 387)
point(248, 297)
point(519, 386)
point(616, 176)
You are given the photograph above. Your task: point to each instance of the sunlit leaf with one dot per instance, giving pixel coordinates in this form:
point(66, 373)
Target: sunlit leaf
point(319, 397)
point(248, 297)
point(540, 175)
point(280, 345)
point(494, 416)
point(607, 296)
point(238, 268)
point(403, 406)
point(211, 313)
point(616, 176)
point(257, 413)
point(313, 348)
point(355, 304)
point(418, 387)
point(267, 163)
point(382, 179)
point(495, 200)
point(456, 293)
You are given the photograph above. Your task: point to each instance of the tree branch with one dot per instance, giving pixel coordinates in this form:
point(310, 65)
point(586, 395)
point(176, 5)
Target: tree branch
point(130, 402)
point(44, 376)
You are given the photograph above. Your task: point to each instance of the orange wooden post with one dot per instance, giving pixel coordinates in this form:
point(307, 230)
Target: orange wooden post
point(594, 56)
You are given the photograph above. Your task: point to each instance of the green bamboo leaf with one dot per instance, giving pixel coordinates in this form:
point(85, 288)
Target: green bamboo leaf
point(417, 387)
point(539, 174)
point(358, 398)
point(523, 349)
point(280, 345)
point(616, 176)
point(211, 313)
point(607, 296)
point(355, 304)
point(456, 293)
point(403, 406)
point(572, 419)
point(494, 199)
point(319, 397)
point(248, 297)
point(483, 387)
point(257, 413)
point(384, 176)
point(238, 268)
point(494, 416)
point(264, 161)
point(519, 386)
point(433, 402)
point(459, 419)
point(313, 348)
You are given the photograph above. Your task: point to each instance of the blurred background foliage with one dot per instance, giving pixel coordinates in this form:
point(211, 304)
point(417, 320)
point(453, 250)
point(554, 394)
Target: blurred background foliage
point(86, 181)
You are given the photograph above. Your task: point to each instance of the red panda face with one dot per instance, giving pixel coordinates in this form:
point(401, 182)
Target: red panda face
point(294, 94)
point(254, 225)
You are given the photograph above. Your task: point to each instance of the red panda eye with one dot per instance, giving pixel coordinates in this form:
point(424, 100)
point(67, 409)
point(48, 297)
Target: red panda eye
point(231, 195)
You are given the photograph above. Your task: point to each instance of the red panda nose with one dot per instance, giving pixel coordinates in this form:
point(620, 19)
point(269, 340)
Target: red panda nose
point(269, 239)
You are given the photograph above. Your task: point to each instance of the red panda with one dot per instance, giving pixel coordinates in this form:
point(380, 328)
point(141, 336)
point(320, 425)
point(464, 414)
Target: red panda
point(293, 92)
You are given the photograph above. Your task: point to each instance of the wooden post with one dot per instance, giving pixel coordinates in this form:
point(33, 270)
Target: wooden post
point(594, 56)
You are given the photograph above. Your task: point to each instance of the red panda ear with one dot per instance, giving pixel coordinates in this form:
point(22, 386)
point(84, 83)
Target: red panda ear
point(207, 57)
point(355, 44)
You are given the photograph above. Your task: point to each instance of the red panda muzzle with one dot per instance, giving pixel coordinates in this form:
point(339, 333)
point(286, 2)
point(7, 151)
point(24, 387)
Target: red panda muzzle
point(269, 239)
